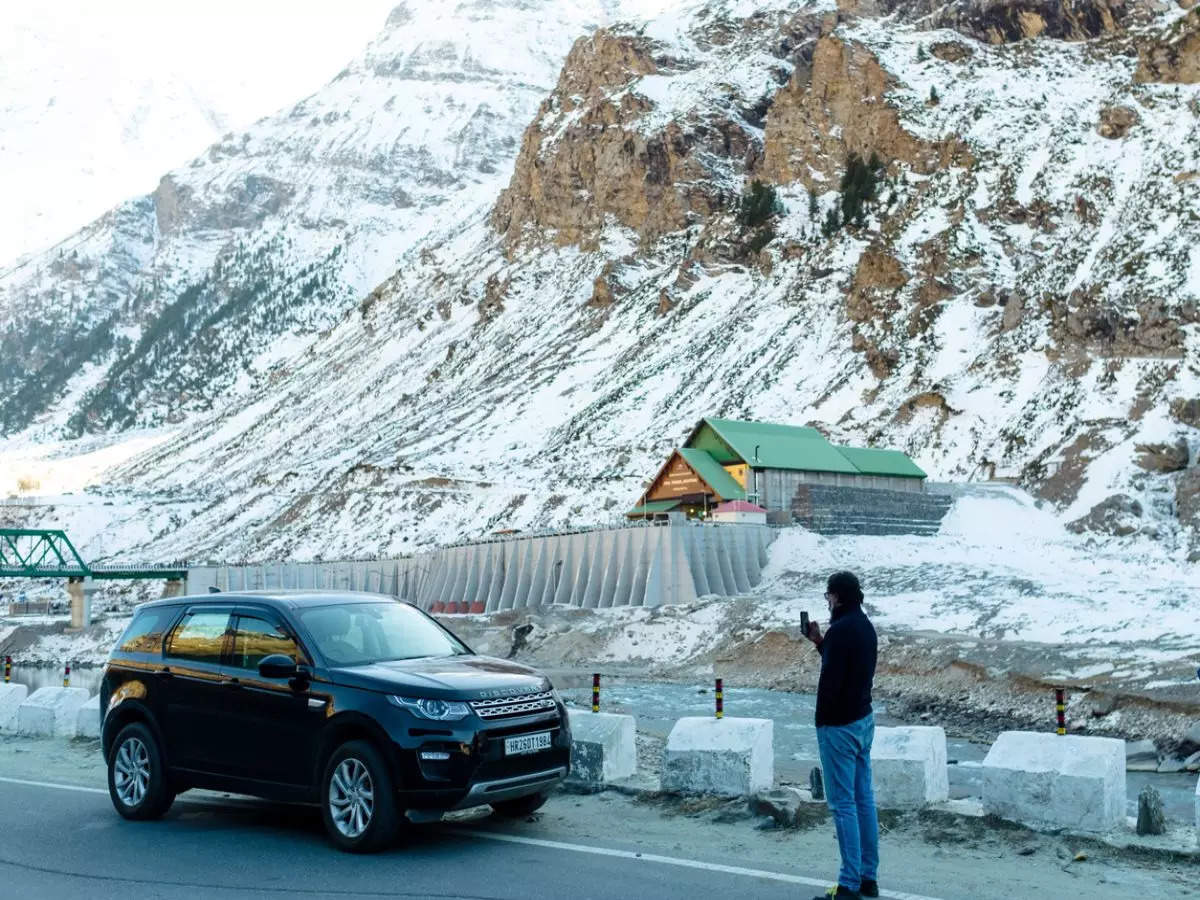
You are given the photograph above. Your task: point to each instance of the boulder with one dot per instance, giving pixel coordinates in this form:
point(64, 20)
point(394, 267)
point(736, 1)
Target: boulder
point(951, 51)
point(11, 698)
point(1151, 817)
point(1192, 763)
point(1052, 781)
point(1141, 756)
point(87, 719)
point(1115, 121)
point(1163, 456)
point(908, 766)
point(1118, 515)
point(603, 747)
point(1186, 410)
point(51, 712)
point(781, 805)
point(725, 757)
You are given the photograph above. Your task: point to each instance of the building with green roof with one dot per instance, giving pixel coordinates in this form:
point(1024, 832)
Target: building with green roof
point(727, 459)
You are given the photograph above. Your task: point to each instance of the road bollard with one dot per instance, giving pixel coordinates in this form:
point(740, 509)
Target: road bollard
point(596, 693)
point(7, 669)
point(1061, 707)
point(720, 698)
point(67, 676)
point(816, 783)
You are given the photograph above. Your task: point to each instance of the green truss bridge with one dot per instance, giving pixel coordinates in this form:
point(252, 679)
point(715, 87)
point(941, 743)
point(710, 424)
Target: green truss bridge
point(49, 553)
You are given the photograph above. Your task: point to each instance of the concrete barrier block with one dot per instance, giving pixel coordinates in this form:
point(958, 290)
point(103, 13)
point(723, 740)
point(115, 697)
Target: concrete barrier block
point(908, 766)
point(725, 757)
point(11, 698)
point(51, 711)
point(603, 747)
point(87, 720)
point(1047, 780)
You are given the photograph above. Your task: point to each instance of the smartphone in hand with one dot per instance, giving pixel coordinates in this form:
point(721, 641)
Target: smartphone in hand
point(804, 622)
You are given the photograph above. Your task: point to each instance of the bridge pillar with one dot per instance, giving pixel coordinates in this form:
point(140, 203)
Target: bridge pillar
point(80, 591)
point(173, 587)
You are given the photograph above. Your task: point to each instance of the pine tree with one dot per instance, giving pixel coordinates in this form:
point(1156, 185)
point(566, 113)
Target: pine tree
point(813, 206)
point(921, 54)
point(933, 96)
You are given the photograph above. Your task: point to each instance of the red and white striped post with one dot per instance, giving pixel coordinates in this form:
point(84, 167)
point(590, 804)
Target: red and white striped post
point(7, 669)
point(720, 698)
point(67, 676)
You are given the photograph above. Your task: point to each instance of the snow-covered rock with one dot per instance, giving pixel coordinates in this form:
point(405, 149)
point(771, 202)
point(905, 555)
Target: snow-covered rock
point(908, 766)
point(1053, 781)
point(603, 747)
point(51, 711)
point(732, 757)
point(11, 698)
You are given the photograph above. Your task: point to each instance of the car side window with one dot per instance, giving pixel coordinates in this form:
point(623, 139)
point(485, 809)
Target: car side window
point(200, 637)
point(254, 639)
point(145, 632)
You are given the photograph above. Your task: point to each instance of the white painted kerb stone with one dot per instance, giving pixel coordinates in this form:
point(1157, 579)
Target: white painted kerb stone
point(1047, 780)
point(11, 698)
point(908, 766)
point(87, 720)
point(603, 746)
point(51, 711)
point(725, 757)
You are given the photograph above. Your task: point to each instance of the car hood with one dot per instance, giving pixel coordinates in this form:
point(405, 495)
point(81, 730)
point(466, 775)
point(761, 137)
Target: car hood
point(446, 678)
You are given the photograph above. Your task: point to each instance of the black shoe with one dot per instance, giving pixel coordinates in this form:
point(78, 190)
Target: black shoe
point(839, 890)
point(869, 888)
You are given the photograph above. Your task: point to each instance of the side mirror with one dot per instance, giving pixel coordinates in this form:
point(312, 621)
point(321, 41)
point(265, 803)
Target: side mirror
point(277, 666)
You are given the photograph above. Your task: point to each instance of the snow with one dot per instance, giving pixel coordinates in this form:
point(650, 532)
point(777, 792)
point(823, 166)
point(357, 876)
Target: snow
point(99, 100)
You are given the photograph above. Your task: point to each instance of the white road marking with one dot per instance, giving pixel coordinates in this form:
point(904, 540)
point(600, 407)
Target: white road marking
point(558, 845)
point(673, 861)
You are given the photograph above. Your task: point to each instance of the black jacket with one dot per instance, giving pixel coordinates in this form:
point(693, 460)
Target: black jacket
point(847, 667)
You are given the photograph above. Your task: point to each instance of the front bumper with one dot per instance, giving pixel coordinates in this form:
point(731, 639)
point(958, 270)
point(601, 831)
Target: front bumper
point(477, 770)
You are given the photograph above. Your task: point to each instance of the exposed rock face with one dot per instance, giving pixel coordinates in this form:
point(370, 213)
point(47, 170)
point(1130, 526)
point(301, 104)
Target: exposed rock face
point(873, 291)
point(838, 107)
point(1186, 410)
point(1115, 121)
point(1187, 499)
point(1005, 21)
point(951, 51)
point(1163, 457)
point(583, 159)
point(1174, 57)
point(1119, 515)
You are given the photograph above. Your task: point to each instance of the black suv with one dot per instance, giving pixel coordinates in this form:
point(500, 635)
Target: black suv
point(358, 702)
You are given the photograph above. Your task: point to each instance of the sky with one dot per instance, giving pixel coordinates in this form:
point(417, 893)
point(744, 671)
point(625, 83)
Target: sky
point(99, 99)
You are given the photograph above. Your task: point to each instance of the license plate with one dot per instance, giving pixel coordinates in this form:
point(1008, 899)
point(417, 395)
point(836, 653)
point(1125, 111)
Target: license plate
point(527, 743)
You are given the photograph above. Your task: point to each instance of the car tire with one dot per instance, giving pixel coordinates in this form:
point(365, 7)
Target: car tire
point(522, 806)
point(358, 799)
point(137, 774)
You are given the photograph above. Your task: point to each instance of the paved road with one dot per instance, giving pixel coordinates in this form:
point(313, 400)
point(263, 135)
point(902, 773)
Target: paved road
point(70, 843)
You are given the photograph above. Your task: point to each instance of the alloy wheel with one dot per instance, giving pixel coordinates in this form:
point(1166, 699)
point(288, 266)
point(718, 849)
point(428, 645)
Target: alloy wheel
point(131, 771)
point(351, 797)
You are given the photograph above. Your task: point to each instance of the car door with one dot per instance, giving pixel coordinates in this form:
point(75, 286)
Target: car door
point(277, 720)
point(196, 725)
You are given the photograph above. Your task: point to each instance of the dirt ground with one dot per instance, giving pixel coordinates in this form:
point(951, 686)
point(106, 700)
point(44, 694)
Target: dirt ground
point(932, 853)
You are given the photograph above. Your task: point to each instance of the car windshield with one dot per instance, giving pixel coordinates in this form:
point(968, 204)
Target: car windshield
point(357, 634)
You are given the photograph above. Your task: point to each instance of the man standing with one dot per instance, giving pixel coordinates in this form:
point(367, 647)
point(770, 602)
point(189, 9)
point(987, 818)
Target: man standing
point(845, 730)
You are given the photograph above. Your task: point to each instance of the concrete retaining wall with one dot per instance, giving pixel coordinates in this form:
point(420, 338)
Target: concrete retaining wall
point(1052, 781)
point(51, 711)
point(633, 566)
point(827, 509)
point(11, 698)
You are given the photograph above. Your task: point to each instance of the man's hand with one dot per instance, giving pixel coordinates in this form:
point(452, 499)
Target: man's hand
point(814, 633)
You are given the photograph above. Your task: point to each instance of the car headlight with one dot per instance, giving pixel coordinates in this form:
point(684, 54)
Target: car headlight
point(436, 710)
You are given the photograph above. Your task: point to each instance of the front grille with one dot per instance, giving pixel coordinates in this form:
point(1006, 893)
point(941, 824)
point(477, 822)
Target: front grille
point(513, 706)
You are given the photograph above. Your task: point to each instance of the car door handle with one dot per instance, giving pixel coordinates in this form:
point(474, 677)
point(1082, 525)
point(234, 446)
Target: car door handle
point(232, 683)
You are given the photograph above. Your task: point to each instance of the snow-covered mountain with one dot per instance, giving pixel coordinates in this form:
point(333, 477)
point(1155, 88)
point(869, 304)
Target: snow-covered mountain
point(98, 100)
point(975, 240)
point(176, 300)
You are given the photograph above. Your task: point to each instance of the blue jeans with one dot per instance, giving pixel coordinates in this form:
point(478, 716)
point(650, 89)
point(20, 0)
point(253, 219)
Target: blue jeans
point(846, 764)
